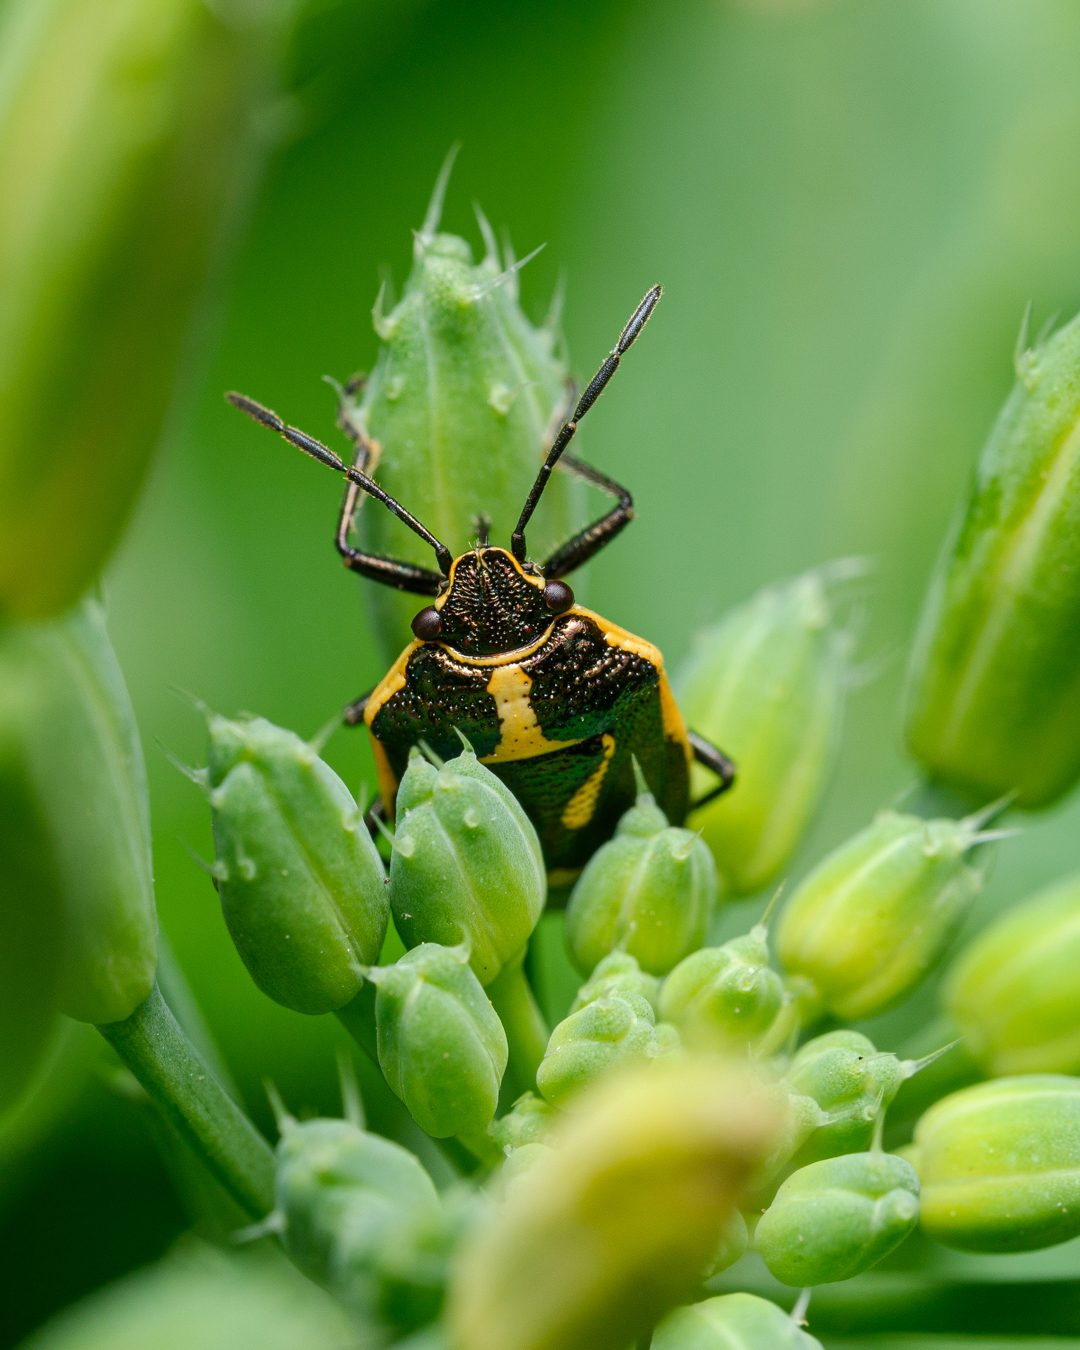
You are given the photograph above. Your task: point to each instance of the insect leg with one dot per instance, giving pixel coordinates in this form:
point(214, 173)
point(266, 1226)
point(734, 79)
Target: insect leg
point(715, 760)
point(596, 536)
point(353, 713)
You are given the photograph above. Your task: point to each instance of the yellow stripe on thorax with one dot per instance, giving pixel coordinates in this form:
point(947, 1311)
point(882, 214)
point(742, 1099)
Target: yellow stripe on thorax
point(521, 734)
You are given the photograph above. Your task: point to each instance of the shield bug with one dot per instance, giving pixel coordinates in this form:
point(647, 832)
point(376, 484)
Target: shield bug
point(555, 699)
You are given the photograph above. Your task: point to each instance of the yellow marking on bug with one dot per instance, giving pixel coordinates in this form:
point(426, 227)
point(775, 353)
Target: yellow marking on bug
point(579, 809)
point(521, 734)
point(388, 686)
point(501, 658)
point(481, 553)
point(614, 636)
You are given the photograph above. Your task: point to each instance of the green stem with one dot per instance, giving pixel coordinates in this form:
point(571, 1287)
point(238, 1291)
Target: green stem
point(152, 1045)
point(526, 1030)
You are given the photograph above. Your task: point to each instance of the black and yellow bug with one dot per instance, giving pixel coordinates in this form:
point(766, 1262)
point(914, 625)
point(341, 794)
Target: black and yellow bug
point(553, 698)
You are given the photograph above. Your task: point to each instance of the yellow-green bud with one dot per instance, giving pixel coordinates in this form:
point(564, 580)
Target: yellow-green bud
point(441, 1046)
point(326, 1167)
point(836, 1218)
point(724, 997)
point(618, 973)
point(602, 1237)
point(994, 703)
point(466, 865)
point(606, 1033)
point(733, 1244)
point(873, 918)
point(768, 684)
point(1014, 992)
point(649, 891)
point(529, 1121)
point(1000, 1164)
point(463, 402)
point(851, 1082)
point(732, 1322)
point(75, 823)
point(301, 883)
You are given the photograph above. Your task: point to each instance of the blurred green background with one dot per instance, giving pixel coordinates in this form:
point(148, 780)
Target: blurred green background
point(849, 203)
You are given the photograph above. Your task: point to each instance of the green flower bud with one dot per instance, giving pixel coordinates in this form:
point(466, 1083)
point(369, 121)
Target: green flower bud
point(618, 973)
point(599, 1239)
point(1014, 993)
point(463, 402)
point(724, 997)
point(605, 1034)
point(649, 891)
point(732, 1322)
point(301, 883)
point(999, 1164)
point(852, 1083)
point(327, 1168)
point(520, 1161)
point(529, 1121)
point(994, 703)
point(125, 145)
point(872, 919)
point(441, 1046)
point(768, 684)
point(836, 1218)
point(733, 1244)
point(466, 865)
point(75, 824)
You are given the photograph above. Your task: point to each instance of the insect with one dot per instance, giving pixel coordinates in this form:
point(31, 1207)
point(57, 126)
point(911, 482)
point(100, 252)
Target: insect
point(555, 699)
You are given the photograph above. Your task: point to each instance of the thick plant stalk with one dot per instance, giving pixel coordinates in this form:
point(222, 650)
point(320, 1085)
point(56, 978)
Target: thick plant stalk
point(155, 1049)
point(523, 1022)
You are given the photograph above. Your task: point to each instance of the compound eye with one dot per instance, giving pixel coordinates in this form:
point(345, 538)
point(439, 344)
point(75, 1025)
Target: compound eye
point(558, 597)
point(427, 624)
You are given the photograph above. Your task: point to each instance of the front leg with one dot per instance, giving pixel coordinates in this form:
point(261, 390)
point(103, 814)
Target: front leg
point(706, 754)
point(353, 713)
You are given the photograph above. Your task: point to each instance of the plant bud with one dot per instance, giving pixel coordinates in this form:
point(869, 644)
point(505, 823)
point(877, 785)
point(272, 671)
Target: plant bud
point(1000, 1164)
point(529, 1121)
point(733, 1244)
point(994, 703)
point(724, 997)
point(301, 883)
point(732, 1322)
point(873, 918)
point(618, 973)
point(327, 1167)
point(463, 402)
point(650, 891)
point(852, 1083)
point(128, 140)
point(605, 1034)
point(1013, 992)
point(837, 1218)
point(75, 779)
point(602, 1237)
point(441, 1046)
point(768, 684)
point(466, 865)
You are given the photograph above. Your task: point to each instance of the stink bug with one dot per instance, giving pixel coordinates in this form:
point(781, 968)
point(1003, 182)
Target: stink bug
point(555, 699)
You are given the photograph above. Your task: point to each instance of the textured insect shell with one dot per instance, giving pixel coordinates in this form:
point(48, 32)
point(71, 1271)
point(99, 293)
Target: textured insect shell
point(603, 697)
point(999, 1164)
point(993, 700)
point(463, 402)
point(326, 1167)
point(873, 918)
point(651, 894)
point(442, 1047)
point(618, 973)
point(1014, 992)
point(836, 1218)
point(466, 864)
point(732, 1322)
point(768, 684)
point(604, 1035)
point(723, 997)
point(849, 1079)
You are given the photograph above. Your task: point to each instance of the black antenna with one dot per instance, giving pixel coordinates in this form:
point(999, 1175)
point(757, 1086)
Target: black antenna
point(310, 446)
point(595, 388)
